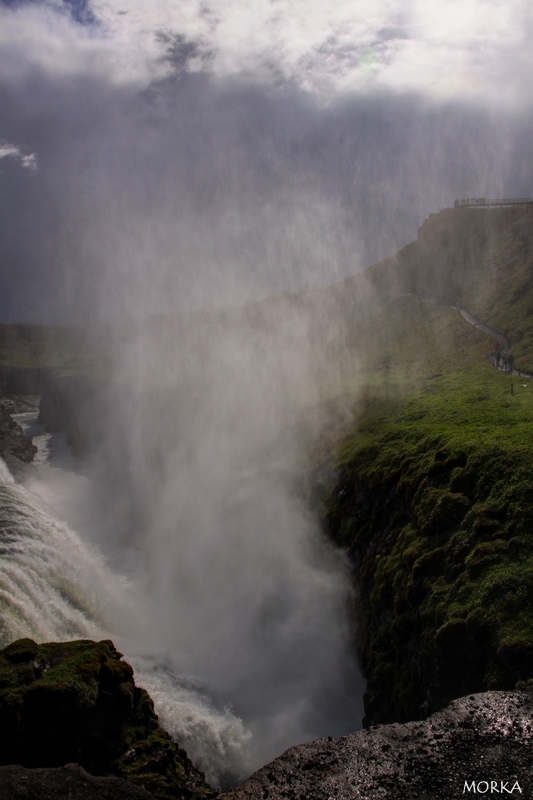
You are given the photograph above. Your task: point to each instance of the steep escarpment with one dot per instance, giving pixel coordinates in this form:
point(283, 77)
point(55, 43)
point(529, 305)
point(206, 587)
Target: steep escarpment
point(439, 536)
point(22, 381)
point(458, 249)
point(432, 495)
point(77, 702)
point(32, 358)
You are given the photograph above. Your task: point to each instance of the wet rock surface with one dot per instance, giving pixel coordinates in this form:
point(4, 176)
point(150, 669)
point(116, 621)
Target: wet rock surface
point(70, 781)
point(13, 443)
point(483, 739)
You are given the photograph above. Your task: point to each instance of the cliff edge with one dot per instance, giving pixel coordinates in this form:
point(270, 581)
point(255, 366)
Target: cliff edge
point(480, 744)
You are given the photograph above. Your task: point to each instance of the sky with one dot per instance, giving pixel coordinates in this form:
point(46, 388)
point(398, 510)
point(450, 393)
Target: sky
point(156, 155)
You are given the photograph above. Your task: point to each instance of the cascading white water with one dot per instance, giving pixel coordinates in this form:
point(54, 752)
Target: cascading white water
point(52, 585)
point(55, 587)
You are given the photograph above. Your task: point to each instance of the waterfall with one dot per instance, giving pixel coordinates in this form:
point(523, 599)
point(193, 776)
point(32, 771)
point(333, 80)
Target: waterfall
point(56, 587)
point(227, 602)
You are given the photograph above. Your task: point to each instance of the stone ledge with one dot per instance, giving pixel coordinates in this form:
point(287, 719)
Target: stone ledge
point(483, 737)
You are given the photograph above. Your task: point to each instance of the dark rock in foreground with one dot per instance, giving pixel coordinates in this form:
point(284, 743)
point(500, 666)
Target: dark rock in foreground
point(13, 443)
point(77, 702)
point(58, 783)
point(481, 744)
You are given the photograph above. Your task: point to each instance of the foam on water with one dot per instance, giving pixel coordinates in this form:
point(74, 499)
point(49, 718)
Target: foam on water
point(215, 739)
point(52, 448)
point(52, 585)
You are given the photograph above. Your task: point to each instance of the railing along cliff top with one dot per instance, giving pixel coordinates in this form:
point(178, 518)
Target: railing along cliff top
point(483, 202)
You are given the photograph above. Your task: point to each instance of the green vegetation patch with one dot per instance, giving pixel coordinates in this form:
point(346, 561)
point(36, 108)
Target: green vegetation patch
point(77, 702)
point(433, 499)
point(431, 493)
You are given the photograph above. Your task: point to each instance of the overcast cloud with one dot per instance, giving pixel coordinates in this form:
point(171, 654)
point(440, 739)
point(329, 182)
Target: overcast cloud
point(461, 48)
point(157, 155)
point(26, 160)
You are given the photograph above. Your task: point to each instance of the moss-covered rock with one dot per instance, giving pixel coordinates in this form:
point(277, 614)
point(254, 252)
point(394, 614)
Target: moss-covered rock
point(77, 702)
point(440, 540)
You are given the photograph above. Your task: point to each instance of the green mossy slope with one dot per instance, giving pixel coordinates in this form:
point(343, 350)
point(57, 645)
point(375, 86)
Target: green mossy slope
point(433, 489)
point(438, 519)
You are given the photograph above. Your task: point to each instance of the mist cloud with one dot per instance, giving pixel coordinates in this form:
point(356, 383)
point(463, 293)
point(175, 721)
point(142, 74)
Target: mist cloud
point(213, 153)
point(201, 192)
point(27, 161)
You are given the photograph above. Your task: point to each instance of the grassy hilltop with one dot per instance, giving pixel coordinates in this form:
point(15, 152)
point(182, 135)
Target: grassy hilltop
point(433, 495)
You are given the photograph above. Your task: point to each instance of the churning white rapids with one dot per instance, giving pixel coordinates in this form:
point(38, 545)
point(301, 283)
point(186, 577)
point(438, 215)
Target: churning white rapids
point(56, 584)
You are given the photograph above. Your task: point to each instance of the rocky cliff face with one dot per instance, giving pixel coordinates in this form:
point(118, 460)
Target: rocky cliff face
point(15, 448)
point(453, 249)
point(25, 381)
point(432, 497)
point(479, 745)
